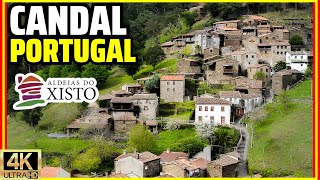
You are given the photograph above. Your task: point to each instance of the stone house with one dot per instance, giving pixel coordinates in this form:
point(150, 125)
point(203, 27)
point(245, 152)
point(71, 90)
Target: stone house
point(283, 34)
point(124, 122)
point(220, 70)
point(273, 52)
point(226, 166)
point(189, 67)
point(122, 105)
point(249, 31)
point(265, 68)
point(282, 80)
point(253, 20)
point(235, 24)
point(96, 120)
point(167, 156)
point(148, 105)
point(144, 164)
point(244, 58)
point(232, 39)
point(299, 60)
point(208, 52)
point(168, 47)
point(121, 93)
point(267, 38)
point(182, 168)
point(247, 86)
point(106, 98)
point(212, 111)
point(172, 88)
point(133, 88)
point(54, 172)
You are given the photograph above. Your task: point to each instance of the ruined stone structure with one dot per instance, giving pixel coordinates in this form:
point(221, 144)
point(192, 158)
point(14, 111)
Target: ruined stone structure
point(148, 105)
point(284, 79)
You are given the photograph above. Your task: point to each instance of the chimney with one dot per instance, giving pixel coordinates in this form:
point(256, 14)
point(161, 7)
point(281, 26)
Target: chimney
point(138, 156)
point(168, 150)
point(124, 152)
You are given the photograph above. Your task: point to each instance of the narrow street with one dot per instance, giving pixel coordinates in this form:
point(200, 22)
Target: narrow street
point(242, 149)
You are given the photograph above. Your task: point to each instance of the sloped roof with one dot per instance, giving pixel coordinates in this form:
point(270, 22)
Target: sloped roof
point(259, 18)
point(145, 96)
point(225, 22)
point(230, 94)
point(226, 160)
point(166, 44)
point(258, 66)
point(121, 100)
point(172, 78)
point(172, 156)
point(212, 101)
point(143, 157)
point(120, 92)
point(50, 172)
point(125, 117)
point(200, 162)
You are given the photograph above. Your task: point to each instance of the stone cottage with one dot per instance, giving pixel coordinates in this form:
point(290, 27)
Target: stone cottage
point(148, 105)
point(264, 68)
point(220, 70)
point(247, 86)
point(124, 122)
point(183, 168)
point(167, 156)
point(133, 88)
point(282, 80)
point(225, 166)
point(244, 58)
point(172, 88)
point(139, 165)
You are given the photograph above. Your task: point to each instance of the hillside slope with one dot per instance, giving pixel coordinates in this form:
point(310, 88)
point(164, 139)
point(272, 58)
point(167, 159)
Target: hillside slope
point(282, 143)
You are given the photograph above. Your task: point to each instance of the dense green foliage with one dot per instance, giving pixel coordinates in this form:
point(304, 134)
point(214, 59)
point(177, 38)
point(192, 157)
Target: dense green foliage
point(99, 72)
point(153, 85)
point(141, 139)
point(260, 75)
point(153, 55)
point(226, 137)
point(280, 66)
point(296, 40)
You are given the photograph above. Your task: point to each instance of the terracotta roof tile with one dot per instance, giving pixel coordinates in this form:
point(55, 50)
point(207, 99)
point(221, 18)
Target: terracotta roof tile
point(171, 156)
point(50, 172)
point(172, 78)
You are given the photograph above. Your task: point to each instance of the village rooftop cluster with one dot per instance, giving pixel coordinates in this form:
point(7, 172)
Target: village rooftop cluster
point(226, 50)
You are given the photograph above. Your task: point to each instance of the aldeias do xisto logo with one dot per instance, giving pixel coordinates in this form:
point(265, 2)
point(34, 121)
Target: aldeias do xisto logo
point(35, 92)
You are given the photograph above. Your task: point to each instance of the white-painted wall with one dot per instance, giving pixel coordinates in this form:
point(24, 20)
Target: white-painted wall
point(298, 62)
point(217, 113)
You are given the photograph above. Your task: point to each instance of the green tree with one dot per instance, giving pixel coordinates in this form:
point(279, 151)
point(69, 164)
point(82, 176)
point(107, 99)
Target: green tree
point(13, 97)
point(296, 40)
point(141, 138)
point(32, 116)
point(280, 66)
point(88, 162)
point(154, 55)
point(189, 17)
point(260, 76)
point(284, 100)
point(152, 85)
point(191, 145)
point(99, 72)
point(308, 72)
point(223, 137)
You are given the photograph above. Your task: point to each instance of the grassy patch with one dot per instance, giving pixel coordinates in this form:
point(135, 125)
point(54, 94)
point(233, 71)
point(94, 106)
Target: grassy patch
point(117, 78)
point(276, 18)
point(165, 66)
point(282, 143)
point(177, 111)
point(301, 91)
point(205, 22)
point(168, 139)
